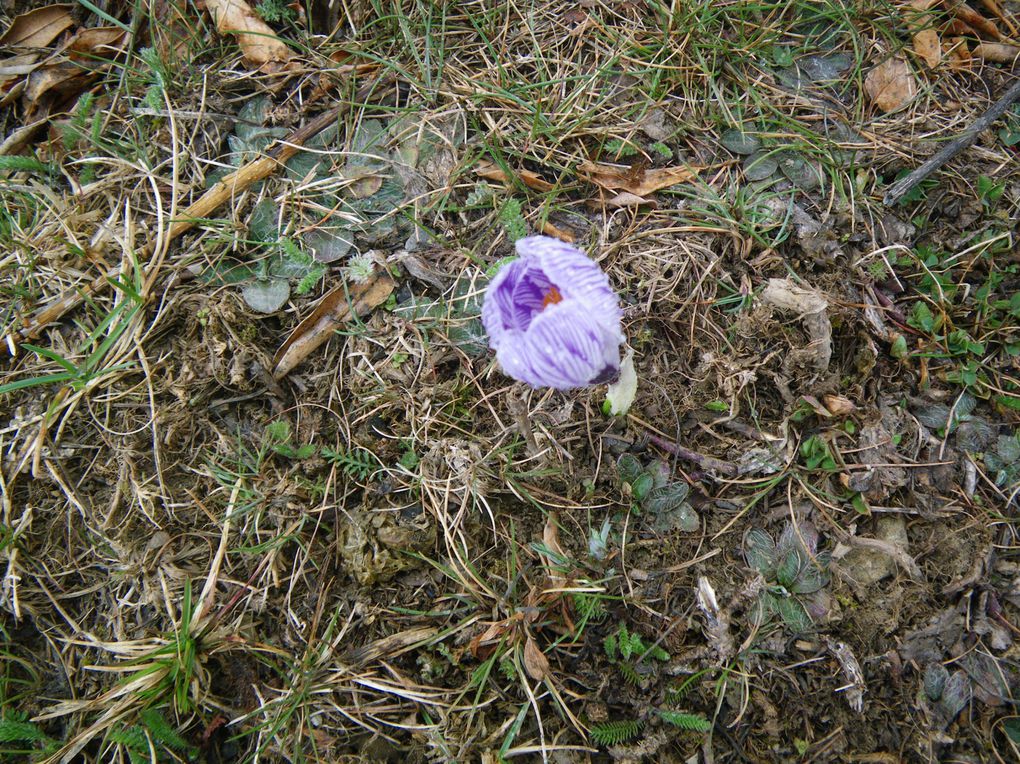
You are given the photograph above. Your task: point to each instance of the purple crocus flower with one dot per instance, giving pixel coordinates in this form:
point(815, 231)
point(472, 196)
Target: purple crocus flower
point(552, 317)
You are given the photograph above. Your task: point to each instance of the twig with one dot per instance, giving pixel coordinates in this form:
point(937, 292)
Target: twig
point(225, 189)
point(703, 461)
point(903, 187)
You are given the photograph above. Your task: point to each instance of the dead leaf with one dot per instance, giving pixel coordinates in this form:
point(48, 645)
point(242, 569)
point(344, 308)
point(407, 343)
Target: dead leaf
point(551, 540)
point(550, 229)
point(627, 199)
point(971, 17)
point(60, 79)
point(838, 405)
point(999, 52)
point(16, 67)
point(535, 662)
point(633, 180)
point(38, 28)
point(88, 43)
point(959, 55)
point(534, 181)
point(928, 47)
point(258, 41)
point(331, 312)
point(891, 84)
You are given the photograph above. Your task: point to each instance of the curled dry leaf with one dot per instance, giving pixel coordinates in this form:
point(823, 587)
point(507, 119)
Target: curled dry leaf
point(331, 312)
point(563, 234)
point(627, 199)
point(838, 405)
point(258, 41)
point(551, 540)
point(1000, 53)
point(634, 180)
point(534, 181)
point(535, 662)
point(891, 84)
point(37, 28)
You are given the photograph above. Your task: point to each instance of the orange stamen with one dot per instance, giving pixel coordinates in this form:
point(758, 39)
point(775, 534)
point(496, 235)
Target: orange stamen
point(552, 297)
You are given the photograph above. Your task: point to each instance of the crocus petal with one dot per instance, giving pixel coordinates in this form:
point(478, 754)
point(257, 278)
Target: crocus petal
point(563, 348)
point(574, 273)
point(552, 317)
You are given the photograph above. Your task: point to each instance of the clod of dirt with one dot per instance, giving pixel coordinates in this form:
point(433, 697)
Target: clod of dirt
point(812, 308)
point(869, 566)
point(373, 544)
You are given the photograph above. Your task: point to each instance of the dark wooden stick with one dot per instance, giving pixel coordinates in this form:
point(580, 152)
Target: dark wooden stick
point(702, 460)
point(903, 187)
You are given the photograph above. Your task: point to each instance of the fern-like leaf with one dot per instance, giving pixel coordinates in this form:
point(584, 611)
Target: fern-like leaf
point(358, 463)
point(614, 733)
point(686, 721)
point(162, 731)
point(17, 730)
point(133, 738)
point(630, 674)
point(611, 646)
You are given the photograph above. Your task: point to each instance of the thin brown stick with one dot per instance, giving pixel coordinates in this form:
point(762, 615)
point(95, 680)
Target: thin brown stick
point(903, 187)
point(226, 188)
point(702, 460)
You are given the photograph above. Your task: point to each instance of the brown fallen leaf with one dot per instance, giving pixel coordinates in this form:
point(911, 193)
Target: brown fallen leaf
point(534, 181)
point(959, 54)
point(563, 234)
point(96, 41)
point(891, 84)
point(999, 52)
point(928, 47)
point(258, 41)
point(969, 16)
point(636, 181)
point(996, 10)
point(838, 405)
point(54, 82)
point(16, 67)
point(38, 28)
point(627, 199)
point(535, 662)
point(556, 556)
point(926, 40)
point(331, 312)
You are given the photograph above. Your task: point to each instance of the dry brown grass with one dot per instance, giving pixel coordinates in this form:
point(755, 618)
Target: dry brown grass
point(419, 583)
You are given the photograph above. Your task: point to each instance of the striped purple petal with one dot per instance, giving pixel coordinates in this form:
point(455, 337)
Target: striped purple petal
point(552, 317)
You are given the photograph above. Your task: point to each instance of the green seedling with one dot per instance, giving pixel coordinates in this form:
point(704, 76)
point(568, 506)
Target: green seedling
point(795, 575)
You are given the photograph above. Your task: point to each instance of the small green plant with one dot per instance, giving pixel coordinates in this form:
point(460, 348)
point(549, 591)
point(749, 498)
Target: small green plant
point(817, 455)
point(357, 463)
point(664, 501)
point(989, 191)
point(20, 737)
point(512, 220)
point(623, 644)
point(614, 733)
point(153, 727)
point(278, 438)
point(944, 694)
point(1003, 460)
point(794, 572)
point(274, 11)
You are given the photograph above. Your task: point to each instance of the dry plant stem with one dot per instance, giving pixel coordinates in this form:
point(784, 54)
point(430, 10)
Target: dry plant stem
point(211, 200)
point(703, 461)
point(903, 187)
